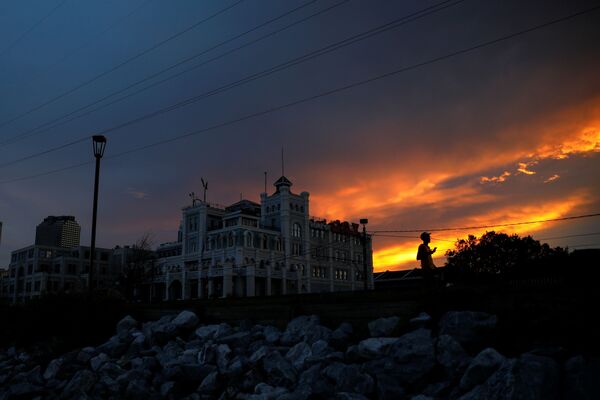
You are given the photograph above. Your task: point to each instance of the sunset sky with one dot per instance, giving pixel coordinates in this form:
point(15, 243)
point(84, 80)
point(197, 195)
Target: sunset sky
point(506, 133)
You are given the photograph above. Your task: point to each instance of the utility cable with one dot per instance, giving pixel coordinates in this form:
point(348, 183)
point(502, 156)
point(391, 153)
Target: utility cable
point(121, 64)
point(32, 28)
point(64, 119)
point(295, 61)
point(335, 91)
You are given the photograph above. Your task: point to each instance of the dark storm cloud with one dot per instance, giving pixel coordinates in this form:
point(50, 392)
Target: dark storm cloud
point(408, 150)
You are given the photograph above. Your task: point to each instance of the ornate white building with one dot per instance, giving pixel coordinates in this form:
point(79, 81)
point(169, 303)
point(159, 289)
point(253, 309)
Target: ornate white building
point(250, 249)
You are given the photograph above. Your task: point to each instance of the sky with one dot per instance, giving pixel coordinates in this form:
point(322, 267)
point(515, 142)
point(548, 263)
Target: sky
point(504, 133)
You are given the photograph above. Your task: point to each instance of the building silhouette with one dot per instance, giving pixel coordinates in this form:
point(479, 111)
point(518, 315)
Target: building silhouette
point(62, 231)
point(251, 249)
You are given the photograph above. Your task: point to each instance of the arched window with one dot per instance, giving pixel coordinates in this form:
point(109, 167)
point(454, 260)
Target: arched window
point(248, 239)
point(296, 230)
point(230, 240)
point(264, 243)
point(278, 244)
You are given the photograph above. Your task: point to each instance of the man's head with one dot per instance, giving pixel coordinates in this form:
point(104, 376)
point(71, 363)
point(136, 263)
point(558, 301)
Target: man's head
point(426, 237)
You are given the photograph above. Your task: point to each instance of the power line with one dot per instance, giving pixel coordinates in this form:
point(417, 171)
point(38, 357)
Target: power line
point(86, 43)
point(338, 90)
point(57, 121)
point(490, 226)
point(264, 73)
point(32, 28)
point(571, 236)
point(121, 64)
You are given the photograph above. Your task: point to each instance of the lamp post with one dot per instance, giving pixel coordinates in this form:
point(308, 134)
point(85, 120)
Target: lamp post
point(364, 223)
point(99, 144)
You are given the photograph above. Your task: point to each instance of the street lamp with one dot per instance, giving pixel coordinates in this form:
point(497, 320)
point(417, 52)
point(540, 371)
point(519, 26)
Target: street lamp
point(364, 222)
point(98, 144)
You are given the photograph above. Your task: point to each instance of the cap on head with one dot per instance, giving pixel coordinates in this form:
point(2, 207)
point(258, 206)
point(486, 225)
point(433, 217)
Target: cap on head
point(425, 235)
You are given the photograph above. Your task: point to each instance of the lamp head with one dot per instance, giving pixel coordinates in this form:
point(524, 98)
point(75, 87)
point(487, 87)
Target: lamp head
point(99, 144)
point(364, 221)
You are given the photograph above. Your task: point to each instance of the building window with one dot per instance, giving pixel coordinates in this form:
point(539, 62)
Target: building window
point(230, 240)
point(248, 239)
point(30, 269)
point(278, 245)
point(28, 287)
point(296, 230)
point(57, 268)
point(36, 286)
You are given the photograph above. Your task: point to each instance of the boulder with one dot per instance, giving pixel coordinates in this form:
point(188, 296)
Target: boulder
point(86, 354)
point(98, 361)
point(414, 352)
point(207, 332)
point(311, 382)
point(210, 384)
point(451, 355)
point(272, 334)
point(280, 371)
point(298, 328)
point(259, 354)
point(185, 320)
point(297, 354)
point(320, 348)
point(80, 384)
point(349, 378)
point(384, 327)
point(53, 368)
point(375, 347)
point(423, 320)
point(114, 347)
point(22, 390)
point(318, 333)
point(340, 337)
point(388, 387)
point(138, 344)
point(528, 377)
point(471, 329)
point(350, 396)
point(481, 368)
point(223, 356)
point(137, 389)
point(125, 325)
point(207, 354)
point(238, 339)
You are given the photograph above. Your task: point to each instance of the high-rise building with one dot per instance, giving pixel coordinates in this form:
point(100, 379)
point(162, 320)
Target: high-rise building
point(61, 231)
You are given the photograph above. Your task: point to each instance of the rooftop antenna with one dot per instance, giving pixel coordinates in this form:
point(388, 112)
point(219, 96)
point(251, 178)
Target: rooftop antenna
point(265, 181)
point(193, 197)
point(282, 164)
point(205, 186)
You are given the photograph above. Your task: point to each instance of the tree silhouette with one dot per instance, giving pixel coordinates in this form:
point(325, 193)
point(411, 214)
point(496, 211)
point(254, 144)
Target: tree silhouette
point(499, 253)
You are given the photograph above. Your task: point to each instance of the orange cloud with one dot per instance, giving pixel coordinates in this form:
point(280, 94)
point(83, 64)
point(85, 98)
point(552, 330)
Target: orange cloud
point(523, 168)
point(495, 179)
point(552, 178)
point(403, 255)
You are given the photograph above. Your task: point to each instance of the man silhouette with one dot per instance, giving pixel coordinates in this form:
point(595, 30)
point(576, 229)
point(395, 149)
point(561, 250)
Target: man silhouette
point(424, 255)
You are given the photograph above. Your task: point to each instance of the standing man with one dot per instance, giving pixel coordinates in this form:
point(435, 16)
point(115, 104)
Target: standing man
point(424, 255)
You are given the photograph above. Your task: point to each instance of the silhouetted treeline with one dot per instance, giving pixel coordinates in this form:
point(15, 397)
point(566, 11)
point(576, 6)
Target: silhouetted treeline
point(504, 257)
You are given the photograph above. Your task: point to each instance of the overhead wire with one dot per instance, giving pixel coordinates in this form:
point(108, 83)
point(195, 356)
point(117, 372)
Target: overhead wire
point(59, 121)
point(32, 27)
point(121, 64)
point(338, 90)
point(490, 225)
point(264, 73)
point(86, 43)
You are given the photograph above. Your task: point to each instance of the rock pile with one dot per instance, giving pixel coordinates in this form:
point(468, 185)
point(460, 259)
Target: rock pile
point(175, 357)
